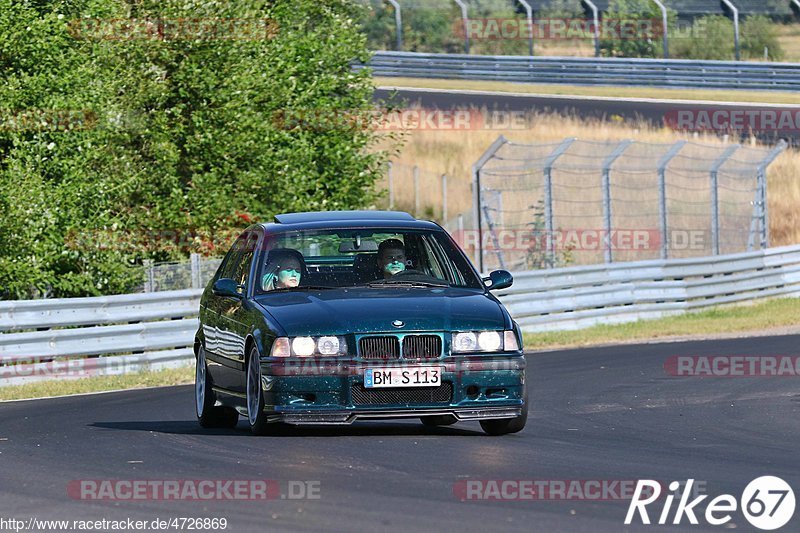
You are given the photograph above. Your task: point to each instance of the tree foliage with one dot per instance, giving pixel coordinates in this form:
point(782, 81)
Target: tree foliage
point(113, 151)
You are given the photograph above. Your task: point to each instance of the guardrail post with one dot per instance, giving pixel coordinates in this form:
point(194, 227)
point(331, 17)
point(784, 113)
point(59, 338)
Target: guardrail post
point(665, 22)
point(662, 195)
point(398, 22)
point(476, 192)
point(444, 198)
point(548, 199)
point(194, 260)
point(596, 17)
point(465, 19)
point(715, 196)
point(416, 190)
point(609, 257)
point(391, 187)
point(529, 16)
point(735, 13)
point(148, 275)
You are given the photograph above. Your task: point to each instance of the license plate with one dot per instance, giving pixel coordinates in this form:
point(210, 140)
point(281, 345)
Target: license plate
point(410, 376)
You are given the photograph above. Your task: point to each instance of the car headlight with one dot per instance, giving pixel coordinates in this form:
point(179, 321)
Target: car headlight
point(309, 346)
point(484, 341)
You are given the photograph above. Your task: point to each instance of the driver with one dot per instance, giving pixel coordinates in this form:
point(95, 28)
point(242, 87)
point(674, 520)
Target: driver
point(391, 257)
point(284, 269)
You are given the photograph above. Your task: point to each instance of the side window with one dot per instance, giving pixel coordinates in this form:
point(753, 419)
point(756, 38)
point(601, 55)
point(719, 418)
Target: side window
point(242, 272)
point(231, 260)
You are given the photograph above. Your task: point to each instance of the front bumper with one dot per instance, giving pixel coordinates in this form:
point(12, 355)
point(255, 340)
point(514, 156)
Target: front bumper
point(327, 392)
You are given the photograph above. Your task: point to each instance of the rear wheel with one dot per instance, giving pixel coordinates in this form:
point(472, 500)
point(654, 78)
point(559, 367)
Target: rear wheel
point(208, 414)
point(503, 426)
point(438, 420)
point(255, 396)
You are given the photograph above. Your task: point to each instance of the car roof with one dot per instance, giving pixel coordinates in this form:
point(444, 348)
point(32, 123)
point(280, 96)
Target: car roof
point(347, 219)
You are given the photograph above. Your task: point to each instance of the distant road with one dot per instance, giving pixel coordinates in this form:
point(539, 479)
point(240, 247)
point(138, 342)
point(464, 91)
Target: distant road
point(637, 110)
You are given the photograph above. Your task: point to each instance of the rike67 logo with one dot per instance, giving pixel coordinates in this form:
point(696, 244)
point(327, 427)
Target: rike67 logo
point(767, 503)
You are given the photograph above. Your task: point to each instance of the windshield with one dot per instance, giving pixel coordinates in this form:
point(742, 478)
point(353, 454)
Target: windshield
point(374, 258)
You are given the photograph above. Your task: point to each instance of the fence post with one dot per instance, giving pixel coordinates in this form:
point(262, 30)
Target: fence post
point(476, 191)
point(735, 13)
point(529, 17)
point(194, 259)
point(444, 198)
point(148, 275)
point(465, 19)
point(762, 178)
point(665, 21)
point(606, 184)
point(715, 196)
point(596, 21)
point(416, 190)
point(398, 22)
point(662, 195)
point(550, 252)
point(391, 188)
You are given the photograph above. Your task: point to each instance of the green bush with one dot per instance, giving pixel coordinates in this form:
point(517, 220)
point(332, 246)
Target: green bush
point(759, 32)
point(179, 139)
point(647, 42)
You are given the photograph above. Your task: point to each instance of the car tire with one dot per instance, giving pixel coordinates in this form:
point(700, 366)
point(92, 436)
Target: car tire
point(503, 426)
point(209, 415)
point(255, 396)
point(438, 420)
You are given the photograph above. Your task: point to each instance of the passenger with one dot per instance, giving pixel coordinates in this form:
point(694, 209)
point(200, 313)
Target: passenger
point(391, 257)
point(284, 269)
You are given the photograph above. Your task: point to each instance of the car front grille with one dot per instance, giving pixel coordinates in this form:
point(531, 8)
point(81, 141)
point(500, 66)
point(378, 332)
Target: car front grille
point(421, 395)
point(422, 346)
point(388, 347)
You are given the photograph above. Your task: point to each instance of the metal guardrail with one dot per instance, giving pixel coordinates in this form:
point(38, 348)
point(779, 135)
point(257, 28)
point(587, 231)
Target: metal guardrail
point(590, 71)
point(63, 338)
point(577, 297)
point(564, 298)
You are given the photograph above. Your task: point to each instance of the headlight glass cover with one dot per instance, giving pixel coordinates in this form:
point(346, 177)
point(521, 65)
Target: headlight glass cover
point(325, 346)
point(484, 341)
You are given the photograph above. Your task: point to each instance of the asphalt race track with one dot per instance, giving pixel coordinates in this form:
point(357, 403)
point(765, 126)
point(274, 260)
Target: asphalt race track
point(608, 413)
point(635, 110)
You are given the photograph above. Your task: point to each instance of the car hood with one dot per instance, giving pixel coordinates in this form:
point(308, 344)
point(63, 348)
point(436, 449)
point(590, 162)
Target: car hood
point(363, 310)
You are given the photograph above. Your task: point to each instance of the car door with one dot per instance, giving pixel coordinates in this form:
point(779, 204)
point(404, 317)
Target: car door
point(235, 318)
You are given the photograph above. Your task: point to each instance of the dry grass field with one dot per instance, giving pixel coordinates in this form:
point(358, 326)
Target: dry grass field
point(453, 153)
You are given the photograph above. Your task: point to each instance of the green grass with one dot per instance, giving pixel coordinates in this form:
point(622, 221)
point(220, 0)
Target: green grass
point(177, 376)
point(716, 95)
point(751, 318)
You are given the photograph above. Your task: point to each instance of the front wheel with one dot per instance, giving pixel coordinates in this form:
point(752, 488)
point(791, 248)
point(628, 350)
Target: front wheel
point(503, 426)
point(208, 414)
point(255, 396)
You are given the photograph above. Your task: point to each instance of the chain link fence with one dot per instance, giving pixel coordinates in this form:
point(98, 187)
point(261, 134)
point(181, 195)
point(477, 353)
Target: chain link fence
point(192, 274)
point(584, 202)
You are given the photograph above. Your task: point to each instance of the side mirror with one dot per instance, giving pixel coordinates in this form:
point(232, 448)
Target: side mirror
point(501, 279)
point(226, 287)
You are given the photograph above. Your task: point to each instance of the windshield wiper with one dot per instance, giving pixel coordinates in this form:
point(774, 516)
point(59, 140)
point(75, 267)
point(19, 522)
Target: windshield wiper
point(390, 283)
point(303, 288)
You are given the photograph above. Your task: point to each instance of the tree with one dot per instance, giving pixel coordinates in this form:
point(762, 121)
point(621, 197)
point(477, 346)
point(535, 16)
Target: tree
point(175, 138)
